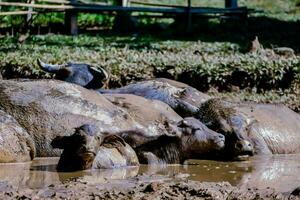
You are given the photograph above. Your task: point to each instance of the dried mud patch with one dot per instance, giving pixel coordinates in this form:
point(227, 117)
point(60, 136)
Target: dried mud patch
point(141, 187)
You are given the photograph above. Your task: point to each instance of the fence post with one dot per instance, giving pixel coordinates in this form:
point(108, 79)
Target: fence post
point(123, 21)
point(118, 2)
point(125, 3)
point(189, 15)
point(231, 3)
point(71, 20)
point(30, 9)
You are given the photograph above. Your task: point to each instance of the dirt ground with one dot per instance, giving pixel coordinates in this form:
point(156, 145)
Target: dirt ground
point(142, 187)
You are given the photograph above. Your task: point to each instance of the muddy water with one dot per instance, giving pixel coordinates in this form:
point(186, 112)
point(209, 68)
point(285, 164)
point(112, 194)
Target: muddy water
point(279, 171)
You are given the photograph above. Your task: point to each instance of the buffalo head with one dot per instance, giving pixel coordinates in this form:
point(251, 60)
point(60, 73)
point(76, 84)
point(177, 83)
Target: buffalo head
point(87, 149)
point(197, 140)
point(224, 118)
point(79, 149)
point(78, 73)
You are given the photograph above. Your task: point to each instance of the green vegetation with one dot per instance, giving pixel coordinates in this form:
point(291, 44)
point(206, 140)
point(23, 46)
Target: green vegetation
point(201, 64)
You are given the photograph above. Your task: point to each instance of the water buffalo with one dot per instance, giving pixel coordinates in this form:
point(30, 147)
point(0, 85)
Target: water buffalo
point(159, 118)
point(264, 128)
point(86, 149)
point(77, 73)
point(184, 99)
point(156, 117)
point(50, 108)
point(16, 145)
point(196, 142)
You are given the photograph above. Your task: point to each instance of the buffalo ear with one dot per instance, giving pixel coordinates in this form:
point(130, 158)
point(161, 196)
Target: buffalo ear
point(63, 73)
point(60, 142)
point(113, 141)
point(99, 72)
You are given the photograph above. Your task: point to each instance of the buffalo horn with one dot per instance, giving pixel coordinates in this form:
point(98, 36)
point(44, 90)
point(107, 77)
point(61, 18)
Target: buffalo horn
point(49, 67)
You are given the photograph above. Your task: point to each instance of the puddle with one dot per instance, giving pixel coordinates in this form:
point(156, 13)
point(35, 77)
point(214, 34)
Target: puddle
point(279, 171)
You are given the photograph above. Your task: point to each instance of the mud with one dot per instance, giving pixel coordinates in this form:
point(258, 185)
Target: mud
point(261, 177)
point(141, 187)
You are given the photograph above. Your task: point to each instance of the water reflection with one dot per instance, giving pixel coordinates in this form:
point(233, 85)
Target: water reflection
point(279, 171)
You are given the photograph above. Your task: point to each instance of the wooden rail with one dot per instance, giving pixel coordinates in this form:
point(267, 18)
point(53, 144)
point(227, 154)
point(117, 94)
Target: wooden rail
point(92, 7)
point(27, 5)
point(55, 1)
point(156, 4)
point(94, 3)
point(16, 13)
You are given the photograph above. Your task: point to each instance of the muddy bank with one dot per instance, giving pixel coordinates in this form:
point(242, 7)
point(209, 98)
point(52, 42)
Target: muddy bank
point(142, 187)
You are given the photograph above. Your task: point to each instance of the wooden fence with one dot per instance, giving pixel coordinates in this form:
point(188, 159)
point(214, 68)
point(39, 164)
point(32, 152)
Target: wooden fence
point(73, 7)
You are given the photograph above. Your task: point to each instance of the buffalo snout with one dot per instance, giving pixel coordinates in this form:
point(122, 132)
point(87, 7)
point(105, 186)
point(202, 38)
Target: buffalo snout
point(198, 139)
point(244, 147)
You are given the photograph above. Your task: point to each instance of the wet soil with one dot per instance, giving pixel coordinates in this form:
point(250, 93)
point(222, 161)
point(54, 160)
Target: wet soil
point(261, 177)
point(139, 188)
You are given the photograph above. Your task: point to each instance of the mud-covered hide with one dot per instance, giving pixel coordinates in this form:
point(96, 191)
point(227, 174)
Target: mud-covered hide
point(50, 108)
point(268, 128)
point(157, 117)
point(115, 153)
point(184, 99)
point(196, 142)
point(274, 129)
point(16, 145)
